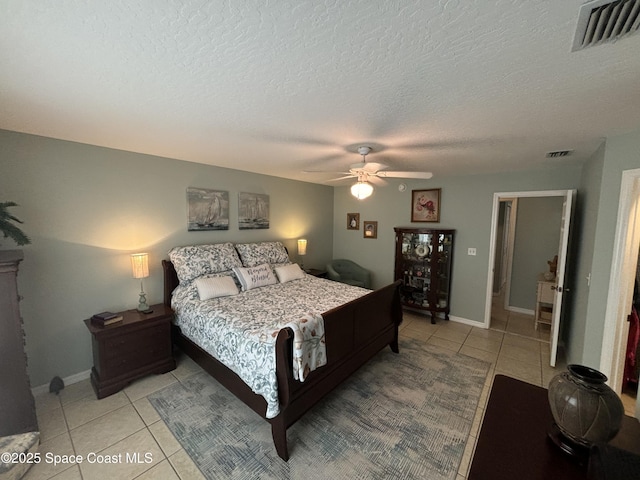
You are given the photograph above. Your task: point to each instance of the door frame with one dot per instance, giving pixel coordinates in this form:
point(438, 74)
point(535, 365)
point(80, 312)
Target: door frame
point(497, 197)
point(623, 267)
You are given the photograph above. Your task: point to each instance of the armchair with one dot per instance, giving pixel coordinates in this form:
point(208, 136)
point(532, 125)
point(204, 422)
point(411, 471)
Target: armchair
point(349, 272)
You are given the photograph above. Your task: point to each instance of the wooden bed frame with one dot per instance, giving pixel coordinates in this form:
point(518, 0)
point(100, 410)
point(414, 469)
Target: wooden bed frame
point(354, 333)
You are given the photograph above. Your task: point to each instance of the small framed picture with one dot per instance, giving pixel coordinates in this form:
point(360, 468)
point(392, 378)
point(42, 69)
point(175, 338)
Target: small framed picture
point(353, 221)
point(370, 229)
point(425, 205)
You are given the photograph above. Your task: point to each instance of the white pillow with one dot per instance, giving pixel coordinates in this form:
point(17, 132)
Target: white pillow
point(289, 272)
point(254, 277)
point(213, 287)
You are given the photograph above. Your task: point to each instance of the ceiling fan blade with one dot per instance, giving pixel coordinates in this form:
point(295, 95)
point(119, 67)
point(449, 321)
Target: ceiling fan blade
point(376, 180)
point(341, 178)
point(374, 167)
point(392, 174)
point(326, 171)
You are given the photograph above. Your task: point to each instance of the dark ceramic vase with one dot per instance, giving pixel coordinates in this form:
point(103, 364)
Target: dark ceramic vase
point(584, 407)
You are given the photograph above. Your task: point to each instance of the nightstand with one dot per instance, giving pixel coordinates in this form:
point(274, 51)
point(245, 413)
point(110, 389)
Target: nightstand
point(137, 346)
point(316, 273)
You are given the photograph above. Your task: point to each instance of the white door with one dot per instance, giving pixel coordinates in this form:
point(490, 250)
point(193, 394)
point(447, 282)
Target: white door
point(567, 209)
point(567, 213)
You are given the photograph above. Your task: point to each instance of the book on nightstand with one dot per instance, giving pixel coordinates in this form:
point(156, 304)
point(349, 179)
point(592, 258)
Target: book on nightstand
point(105, 318)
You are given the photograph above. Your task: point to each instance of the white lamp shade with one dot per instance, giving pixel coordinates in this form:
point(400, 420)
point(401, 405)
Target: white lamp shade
point(302, 246)
point(140, 265)
point(361, 190)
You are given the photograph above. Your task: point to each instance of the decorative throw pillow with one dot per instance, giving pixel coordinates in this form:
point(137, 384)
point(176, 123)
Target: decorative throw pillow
point(194, 261)
point(255, 276)
point(254, 254)
point(214, 287)
point(289, 272)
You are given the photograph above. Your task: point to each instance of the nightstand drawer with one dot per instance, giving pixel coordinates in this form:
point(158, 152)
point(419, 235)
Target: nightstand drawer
point(133, 360)
point(118, 346)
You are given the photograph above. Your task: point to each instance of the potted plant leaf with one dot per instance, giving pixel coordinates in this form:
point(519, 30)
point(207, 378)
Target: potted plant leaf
point(7, 228)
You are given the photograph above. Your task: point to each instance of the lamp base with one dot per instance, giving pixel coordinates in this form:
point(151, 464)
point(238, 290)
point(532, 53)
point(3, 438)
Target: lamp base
point(142, 303)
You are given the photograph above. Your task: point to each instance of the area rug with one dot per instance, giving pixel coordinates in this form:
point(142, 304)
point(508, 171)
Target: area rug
point(403, 415)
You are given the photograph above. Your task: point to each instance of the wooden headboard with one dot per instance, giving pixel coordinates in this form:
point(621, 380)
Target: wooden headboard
point(170, 280)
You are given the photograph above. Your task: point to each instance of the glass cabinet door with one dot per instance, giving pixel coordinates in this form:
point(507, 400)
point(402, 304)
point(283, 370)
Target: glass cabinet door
point(423, 264)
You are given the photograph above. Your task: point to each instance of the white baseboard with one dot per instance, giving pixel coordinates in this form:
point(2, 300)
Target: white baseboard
point(70, 380)
point(525, 311)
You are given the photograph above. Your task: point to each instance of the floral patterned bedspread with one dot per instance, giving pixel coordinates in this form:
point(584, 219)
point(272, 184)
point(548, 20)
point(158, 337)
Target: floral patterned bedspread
point(240, 330)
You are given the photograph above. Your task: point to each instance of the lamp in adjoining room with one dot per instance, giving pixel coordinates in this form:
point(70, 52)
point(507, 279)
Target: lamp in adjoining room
point(302, 250)
point(140, 268)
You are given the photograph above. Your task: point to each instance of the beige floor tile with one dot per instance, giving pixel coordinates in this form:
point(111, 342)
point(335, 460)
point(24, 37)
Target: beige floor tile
point(479, 354)
point(452, 334)
point(521, 326)
point(90, 408)
point(148, 413)
point(130, 457)
point(484, 343)
point(112, 427)
point(147, 385)
point(455, 326)
point(162, 471)
point(185, 368)
point(415, 333)
point(57, 446)
point(165, 438)
point(498, 325)
point(530, 356)
point(486, 333)
point(184, 466)
point(72, 473)
point(47, 401)
point(51, 423)
point(520, 370)
point(444, 343)
point(77, 391)
point(522, 342)
point(465, 463)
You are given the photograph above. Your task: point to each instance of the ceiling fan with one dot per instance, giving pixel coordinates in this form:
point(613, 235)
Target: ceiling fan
point(367, 172)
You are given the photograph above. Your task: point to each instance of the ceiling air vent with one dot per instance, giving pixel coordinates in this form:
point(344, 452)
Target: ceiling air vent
point(559, 153)
point(604, 21)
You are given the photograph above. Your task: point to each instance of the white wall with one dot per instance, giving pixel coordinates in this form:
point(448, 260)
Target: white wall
point(87, 208)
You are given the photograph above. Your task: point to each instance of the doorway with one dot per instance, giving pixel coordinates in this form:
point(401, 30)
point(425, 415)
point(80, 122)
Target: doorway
point(536, 230)
point(623, 271)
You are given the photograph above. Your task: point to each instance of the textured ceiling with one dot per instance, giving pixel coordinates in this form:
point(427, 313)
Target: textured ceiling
point(279, 87)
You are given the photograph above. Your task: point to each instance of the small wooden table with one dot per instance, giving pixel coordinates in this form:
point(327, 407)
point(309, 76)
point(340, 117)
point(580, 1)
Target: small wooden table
point(513, 441)
point(137, 346)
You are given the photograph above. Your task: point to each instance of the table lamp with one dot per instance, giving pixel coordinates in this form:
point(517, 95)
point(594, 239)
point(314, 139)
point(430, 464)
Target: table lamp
point(140, 268)
point(302, 250)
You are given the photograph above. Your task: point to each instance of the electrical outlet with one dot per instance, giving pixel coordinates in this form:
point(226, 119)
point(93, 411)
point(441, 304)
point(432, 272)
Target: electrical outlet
point(471, 251)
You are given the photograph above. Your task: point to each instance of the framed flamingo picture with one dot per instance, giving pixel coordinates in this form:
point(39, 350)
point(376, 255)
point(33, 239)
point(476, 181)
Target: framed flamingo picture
point(425, 205)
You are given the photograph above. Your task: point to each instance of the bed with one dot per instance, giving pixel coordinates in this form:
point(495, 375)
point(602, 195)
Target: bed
point(354, 331)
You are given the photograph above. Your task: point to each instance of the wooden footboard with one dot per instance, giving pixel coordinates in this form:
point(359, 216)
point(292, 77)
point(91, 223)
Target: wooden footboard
point(354, 333)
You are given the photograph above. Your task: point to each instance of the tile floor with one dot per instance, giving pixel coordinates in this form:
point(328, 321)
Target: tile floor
point(74, 422)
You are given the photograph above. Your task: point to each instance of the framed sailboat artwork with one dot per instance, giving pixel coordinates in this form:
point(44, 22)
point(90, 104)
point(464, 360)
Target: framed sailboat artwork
point(253, 211)
point(207, 209)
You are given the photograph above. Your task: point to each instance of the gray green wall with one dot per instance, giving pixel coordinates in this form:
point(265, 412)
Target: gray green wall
point(537, 238)
point(621, 153)
point(581, 255)
point(87, 208)
point(467, 203)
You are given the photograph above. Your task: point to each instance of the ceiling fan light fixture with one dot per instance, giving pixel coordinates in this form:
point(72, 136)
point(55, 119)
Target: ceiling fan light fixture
point(361, 190)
